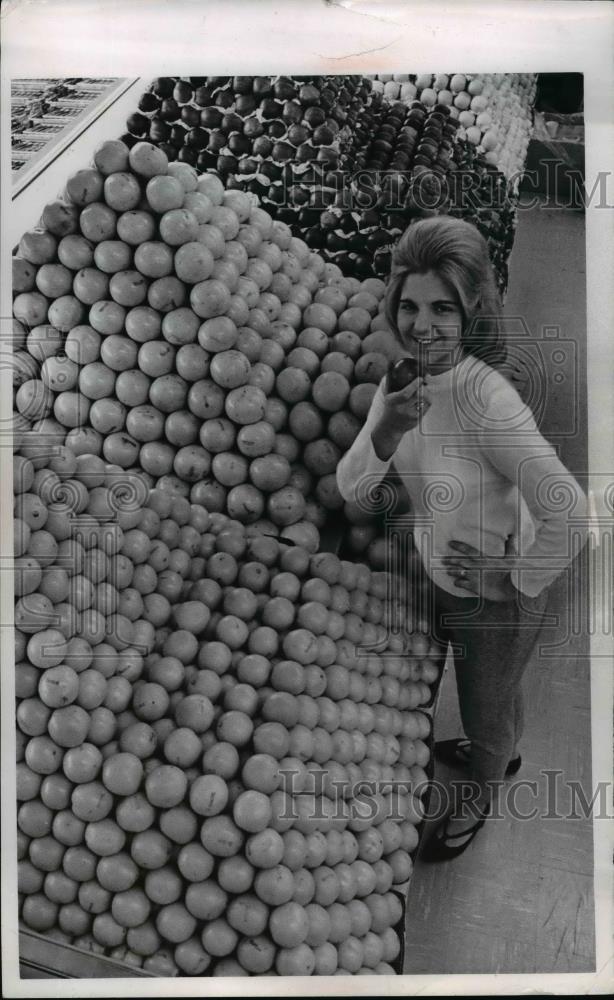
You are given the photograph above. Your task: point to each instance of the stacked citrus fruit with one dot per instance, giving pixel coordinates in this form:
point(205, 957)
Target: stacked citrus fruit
point(202, 694)
point(212, 777)
point(166, 325)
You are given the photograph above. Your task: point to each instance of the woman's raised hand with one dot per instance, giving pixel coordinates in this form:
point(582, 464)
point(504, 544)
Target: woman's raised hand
point(401, 413)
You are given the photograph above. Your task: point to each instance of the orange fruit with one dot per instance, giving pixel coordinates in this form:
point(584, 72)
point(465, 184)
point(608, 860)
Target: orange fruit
point(264, 849)
point(175, 923)
point(235, 875)
point(191, 957)
point(252, 811)
point(256, 954)
point(288, 925)
point(194, 712)
point(271, 738)
point(234, 727)
point(194, 862)
point(82, 764)
point(208, 795)
point(165, 786)
point(248, 915)
point(219, 938)
point(221, 836)
point(254, 669)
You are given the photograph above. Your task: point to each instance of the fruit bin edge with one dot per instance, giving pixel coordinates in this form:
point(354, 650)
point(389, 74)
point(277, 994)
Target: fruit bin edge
point(40, 958)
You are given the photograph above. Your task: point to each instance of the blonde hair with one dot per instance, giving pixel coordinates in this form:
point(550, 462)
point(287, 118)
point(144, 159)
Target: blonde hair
point(458, 253)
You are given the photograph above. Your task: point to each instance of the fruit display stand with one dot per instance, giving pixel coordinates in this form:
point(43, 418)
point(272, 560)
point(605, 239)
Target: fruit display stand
point(205, 690)
point(348, 161)
point(42, 958)
point(151, 628)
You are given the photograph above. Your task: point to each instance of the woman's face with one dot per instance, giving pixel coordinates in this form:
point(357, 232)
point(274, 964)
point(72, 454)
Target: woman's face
point(430, 321)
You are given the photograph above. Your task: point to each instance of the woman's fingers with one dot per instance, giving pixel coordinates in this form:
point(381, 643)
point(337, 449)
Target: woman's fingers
point(404, 395)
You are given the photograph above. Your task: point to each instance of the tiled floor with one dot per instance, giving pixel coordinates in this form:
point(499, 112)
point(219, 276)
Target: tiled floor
point(520, 899)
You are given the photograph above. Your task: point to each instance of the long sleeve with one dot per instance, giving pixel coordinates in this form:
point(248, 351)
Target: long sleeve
point(361, 462)
point(513, 444)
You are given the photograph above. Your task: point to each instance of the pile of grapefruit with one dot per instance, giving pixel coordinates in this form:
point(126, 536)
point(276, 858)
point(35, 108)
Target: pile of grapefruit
point(221, 747)
point(166, 325)
point(220, 735)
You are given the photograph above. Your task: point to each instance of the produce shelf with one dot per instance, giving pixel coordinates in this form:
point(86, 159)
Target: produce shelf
point(48, 115)
point(42, 958)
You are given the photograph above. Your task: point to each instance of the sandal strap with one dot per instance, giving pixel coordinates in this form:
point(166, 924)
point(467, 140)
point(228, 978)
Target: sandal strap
point(469, 832)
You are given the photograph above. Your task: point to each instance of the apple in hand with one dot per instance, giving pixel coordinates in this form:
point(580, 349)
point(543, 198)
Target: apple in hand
point(402, 373)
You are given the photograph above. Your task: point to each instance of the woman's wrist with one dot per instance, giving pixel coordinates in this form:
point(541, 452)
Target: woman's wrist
point(385, 442)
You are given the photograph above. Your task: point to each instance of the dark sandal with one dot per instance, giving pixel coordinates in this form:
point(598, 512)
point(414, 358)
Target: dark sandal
point(442, 847)
point(457, 753)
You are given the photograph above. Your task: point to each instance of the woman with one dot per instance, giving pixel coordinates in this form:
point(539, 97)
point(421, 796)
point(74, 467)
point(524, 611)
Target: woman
point(481, 480)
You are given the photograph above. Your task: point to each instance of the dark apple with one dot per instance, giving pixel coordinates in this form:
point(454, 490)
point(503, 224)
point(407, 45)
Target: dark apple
point(323, 136)
point(402, 374)
point(217, 141)
point(224, 99)
point(247, 165)
point(253, 128)
point(246, 104)
point(149, 102)
point(292, 112)
point(169, 151)
point(206, 160)
point(262, 146)
point(232, 123)
point(314, 116)
point(188, 155)
point(197, 138)
point(309, 95)
point(163, 86)
point(276, 129)
point(263, 86)
point(182, 92)
point(243, 84)
point(190, 116)
point(239, 145)
point(177, 136)
point(297, 135)
point(269, 169)
point(284, 89)
point(227, 164)
point(270, 108)
point(138, 124)
point(211, 117)
point(203, 96)
point(328, 155)
point(169, 110)
point(282, 151)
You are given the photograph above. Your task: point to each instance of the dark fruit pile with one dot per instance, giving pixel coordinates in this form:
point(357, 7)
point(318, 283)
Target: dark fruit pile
point(340, 162)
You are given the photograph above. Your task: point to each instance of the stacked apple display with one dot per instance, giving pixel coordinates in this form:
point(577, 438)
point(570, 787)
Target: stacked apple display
point(348, 161)
point(494, 110)
point(201, 692)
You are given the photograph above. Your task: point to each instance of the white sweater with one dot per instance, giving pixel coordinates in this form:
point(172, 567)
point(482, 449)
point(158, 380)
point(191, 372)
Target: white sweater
point(477, 470)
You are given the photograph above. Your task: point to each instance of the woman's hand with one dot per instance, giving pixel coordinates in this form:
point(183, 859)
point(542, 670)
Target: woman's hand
point(402, 412)
point(488, 576)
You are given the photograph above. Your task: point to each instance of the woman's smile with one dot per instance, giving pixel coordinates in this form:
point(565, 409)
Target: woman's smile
point(430, 321)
